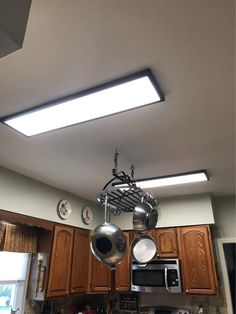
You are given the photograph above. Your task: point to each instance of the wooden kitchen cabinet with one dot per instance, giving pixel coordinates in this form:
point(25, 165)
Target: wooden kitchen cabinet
point(69, 256)
point(79, 271)
point(197, 261)
point(166, 241)
point(123, 269)
point(61, 259)
point(100, 276)
point(192, 245)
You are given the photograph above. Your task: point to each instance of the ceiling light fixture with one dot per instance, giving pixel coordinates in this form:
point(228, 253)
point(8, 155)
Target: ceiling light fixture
point(188, 177)
point(132, 91)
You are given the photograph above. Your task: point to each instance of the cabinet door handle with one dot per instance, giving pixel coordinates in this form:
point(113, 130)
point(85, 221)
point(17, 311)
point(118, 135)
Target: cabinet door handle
point(41, 278)
point(186, 291)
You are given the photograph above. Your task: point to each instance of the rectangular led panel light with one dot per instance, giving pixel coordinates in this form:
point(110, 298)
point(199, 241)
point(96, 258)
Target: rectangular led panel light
point(123, 94)
point(189, 177)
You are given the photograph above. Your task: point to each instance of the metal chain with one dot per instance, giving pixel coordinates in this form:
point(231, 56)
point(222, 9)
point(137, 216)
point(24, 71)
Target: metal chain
point(114, 170)
point(132, 168)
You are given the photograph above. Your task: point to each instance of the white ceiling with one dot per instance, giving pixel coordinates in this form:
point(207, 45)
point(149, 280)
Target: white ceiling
point(73, 45)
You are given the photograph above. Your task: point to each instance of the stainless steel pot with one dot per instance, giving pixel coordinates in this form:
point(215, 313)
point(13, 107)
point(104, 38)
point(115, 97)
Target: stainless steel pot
point(144, 217)
point(143, 248)
point(108, 243)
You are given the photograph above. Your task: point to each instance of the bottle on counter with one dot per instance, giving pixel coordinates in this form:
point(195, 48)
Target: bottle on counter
point(101, 309)
point(88, 310)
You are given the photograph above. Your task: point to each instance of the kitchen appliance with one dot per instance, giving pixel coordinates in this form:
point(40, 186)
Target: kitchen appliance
point(163, 310)
point(162, 276)
point(38, 277)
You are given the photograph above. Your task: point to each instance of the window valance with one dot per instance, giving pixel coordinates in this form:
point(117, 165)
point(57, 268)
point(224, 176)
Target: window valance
point(18, 238)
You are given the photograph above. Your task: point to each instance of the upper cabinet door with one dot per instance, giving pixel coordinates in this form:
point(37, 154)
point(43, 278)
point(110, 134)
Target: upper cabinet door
point(166, 240)
point(61, 258)
point(197, 260)
point(79, 275)
point(123, 269)
point(100, 276)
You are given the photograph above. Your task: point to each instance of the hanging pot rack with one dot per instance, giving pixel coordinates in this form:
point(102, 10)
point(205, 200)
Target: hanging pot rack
point(123, 199)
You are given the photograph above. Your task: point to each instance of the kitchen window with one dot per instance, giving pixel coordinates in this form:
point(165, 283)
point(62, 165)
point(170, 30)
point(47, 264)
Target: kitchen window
point(14, 269)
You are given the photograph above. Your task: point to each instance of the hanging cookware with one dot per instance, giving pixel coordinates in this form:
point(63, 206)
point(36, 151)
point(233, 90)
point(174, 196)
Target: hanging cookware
point(144, 217)
point(108, 243)
point(149, 198)
point(143, 248)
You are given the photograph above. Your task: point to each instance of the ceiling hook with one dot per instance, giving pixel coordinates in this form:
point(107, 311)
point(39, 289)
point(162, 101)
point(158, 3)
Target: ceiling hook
point(132, 168)
point(114, 170)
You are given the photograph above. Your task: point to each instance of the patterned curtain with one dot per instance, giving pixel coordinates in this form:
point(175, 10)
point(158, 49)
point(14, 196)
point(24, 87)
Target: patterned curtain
point(18, 238)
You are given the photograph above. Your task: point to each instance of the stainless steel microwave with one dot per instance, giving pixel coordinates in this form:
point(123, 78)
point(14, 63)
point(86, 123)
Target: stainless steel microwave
point(162, 275)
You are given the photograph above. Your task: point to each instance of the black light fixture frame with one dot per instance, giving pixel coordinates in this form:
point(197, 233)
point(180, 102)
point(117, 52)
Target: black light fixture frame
point(127, 78)
point(171, 176)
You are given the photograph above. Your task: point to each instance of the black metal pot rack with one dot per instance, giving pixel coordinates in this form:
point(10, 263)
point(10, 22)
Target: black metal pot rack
point(122, 193)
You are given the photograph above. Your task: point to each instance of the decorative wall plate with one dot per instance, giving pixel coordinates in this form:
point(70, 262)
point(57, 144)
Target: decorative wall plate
point(64, 209)
point(87, 215)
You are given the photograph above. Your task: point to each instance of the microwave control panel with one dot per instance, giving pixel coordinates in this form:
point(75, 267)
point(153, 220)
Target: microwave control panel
point(172, 278)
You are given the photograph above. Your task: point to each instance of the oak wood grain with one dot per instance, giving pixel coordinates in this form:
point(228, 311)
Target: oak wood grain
point(197, 260)
point(166, 240)
point(61, 261)
point(79, 271)
point(123, 269)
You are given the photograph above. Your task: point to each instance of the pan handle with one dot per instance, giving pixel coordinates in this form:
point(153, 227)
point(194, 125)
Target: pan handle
point(107, 211)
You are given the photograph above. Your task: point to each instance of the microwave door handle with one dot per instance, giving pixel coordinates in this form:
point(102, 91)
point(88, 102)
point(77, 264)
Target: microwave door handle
point(142, 265)
point(166, 282)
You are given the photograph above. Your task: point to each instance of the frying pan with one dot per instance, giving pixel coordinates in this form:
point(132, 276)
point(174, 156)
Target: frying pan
point(143, 248)
point(108, 243)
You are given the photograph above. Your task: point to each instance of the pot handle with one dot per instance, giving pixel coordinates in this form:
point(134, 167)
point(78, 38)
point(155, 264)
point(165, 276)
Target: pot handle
point(151, 199)
point(107, 211)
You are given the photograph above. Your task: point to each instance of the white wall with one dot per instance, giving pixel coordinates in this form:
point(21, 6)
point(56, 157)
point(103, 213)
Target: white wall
point(177, 211)
point(23, 195)
point(225, 217)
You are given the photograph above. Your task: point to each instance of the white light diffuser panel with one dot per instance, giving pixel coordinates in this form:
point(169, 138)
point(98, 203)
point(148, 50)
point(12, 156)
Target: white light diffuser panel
point(190, 177)
point(100, 102)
